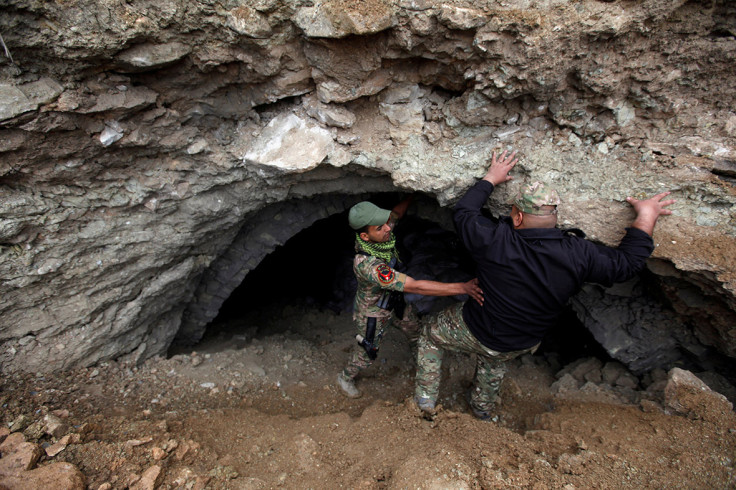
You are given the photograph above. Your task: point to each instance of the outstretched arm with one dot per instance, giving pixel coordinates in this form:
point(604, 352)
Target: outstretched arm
point(434, 288)
point(400, 209)
point(649, 210)
point(476, 230)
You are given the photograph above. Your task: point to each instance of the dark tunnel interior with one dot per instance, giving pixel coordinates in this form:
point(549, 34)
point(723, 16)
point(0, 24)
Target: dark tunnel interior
point(313, 269)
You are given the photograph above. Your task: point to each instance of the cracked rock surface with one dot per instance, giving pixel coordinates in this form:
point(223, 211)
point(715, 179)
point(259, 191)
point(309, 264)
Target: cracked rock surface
point(152, 153)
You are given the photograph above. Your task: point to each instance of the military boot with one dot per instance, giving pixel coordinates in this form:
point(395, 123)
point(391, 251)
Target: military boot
point(425, 404)
point(479, 414)
point(347, 385)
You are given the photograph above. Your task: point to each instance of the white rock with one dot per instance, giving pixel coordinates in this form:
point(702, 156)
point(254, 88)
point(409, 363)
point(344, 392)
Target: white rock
point(291, 145)
point(110, 135)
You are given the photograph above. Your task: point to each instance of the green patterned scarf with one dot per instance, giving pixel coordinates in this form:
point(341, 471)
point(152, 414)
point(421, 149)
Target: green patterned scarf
point(384, 251)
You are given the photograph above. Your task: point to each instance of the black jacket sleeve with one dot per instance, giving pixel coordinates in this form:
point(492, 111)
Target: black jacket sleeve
point(474, 229)
point(609, 265)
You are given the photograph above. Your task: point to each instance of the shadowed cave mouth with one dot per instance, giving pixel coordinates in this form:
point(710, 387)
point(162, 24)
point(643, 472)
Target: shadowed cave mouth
point(313, 271)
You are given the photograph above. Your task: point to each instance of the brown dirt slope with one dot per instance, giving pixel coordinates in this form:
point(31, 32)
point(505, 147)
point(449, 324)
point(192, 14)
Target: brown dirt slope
point(260, 410)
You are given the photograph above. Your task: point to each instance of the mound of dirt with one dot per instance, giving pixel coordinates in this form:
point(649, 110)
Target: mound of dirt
point(256, 406)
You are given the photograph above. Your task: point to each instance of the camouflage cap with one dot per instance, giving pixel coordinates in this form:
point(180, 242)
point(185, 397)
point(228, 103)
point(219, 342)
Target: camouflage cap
point(532, 197)
point(366, 213)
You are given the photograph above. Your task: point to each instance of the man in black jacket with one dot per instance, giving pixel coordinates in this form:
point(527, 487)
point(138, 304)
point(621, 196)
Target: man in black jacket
point(528, 269)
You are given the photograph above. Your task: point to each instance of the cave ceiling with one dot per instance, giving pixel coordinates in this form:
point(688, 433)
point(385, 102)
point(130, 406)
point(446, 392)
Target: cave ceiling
point(149, 149)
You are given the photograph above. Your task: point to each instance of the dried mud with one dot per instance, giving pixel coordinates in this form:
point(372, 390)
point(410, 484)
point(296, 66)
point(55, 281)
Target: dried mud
point(256, 407)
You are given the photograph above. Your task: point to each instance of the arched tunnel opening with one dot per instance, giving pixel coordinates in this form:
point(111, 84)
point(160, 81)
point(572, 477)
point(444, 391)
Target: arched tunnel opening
point(312, 270)
point(288, 277)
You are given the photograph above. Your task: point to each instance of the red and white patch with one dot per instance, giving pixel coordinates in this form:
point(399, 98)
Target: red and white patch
point(384, 273)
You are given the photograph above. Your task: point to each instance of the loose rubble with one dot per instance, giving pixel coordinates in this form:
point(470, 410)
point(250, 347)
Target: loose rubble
point(257, 408)
point(146, 171)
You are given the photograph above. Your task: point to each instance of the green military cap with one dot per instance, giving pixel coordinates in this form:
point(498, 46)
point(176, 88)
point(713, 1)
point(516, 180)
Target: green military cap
point(366, 213)
point(532, 197)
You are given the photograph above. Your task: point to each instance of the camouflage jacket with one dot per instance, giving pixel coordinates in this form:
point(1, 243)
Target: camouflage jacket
point(374, 277)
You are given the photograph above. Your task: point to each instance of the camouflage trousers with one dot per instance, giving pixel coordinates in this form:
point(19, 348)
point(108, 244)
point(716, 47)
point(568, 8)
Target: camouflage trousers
point(447, 330)
point(409, 325)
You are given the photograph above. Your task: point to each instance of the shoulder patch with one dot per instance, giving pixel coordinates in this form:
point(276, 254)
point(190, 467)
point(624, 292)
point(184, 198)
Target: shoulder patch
point(385, 273)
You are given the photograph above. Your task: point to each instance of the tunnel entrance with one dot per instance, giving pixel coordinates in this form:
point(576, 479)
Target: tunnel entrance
point(310, 268)
point(312, 271)
point(288, 280)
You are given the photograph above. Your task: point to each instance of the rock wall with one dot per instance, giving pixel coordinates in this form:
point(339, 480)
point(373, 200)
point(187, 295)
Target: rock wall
point(146, 148)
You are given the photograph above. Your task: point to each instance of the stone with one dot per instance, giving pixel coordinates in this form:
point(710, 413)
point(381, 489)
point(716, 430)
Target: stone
point(59, 476)
point(406, 119)
point(650, 406)
point(314, 24)
point(730, 125)
point(687, 395)
point(461, 18)
point(249, 22)
point(158, 454)
point(290, 144)
point(402, 93)
point(58, 447)
point(43, 91)
point(111, 134)
point(573, 464)
point(54, 426)
point(13, 102)
point(16, 100)
point(336, 20)
point(35, 431)
point(725, 167)
point(131, 99)
point(18, 455)
point(588, 370)
point(150, 479)
point(330, 91)
point(20, 423)
point(565, 384)
point(620, 331)
point(330, 115)
point(474, 108)
point(11, 441)
point(198, 146)
point(624, 113)
point(627, 380)
point(4, 433)
point(149, 56)
point(421, 24)
point(138, 442)
point(187, 478)
point(574, 139)
point(611, 371)
point(185, 450)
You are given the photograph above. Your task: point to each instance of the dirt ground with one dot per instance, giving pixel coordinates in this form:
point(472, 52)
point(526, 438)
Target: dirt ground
point(256, 407)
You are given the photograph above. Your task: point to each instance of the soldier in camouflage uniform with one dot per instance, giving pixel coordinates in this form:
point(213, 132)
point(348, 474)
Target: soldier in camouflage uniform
point(528, 270)
point(379, 299)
